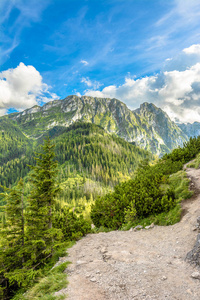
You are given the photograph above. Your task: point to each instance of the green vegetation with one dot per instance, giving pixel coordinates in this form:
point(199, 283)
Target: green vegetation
point(96, 171)
point(31, 236)
point(13, 143)
point(12, 254)
point(180, 184)
point(15, 153)
point(152, 192)
point(88, 156)
point(89, 149)
point(195, 163)
point(137, 198)
point(72, 226)
point(45, 287)
point(40, 233)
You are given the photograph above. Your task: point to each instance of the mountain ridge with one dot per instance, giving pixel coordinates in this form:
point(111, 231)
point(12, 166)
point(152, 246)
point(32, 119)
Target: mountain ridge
point(148, 126)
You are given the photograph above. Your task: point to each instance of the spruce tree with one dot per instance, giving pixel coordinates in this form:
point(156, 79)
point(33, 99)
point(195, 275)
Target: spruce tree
point(40, 233)
point(12, 237)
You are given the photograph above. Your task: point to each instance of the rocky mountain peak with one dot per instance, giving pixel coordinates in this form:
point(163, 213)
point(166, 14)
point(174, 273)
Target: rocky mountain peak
point(149, 108)
point(148, 126)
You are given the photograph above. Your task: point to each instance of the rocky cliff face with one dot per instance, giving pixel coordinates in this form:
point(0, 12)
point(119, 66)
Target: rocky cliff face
point(148, 126)
point(190, 130)
point(164, 134)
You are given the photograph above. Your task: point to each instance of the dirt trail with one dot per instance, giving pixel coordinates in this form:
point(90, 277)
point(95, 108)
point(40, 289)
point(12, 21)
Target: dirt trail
point(148, 264)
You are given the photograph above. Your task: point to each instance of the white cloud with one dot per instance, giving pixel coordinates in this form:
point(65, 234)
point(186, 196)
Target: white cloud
point(91, 84)
point(176, 89)
point(84, 62)
point(87, 81)
point(3, 111)
point(194, 49)
point(78, 94)
point(22, 87)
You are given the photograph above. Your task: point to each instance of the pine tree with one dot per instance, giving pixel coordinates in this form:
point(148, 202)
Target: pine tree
point(12, 237)
point(40, 233)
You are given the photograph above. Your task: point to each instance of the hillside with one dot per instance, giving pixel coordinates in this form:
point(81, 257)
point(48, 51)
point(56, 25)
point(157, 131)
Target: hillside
point(149, 127)
point(13, 143)
point(16, 151)
point(152, 195)
point(91, 161)
point(143, 265)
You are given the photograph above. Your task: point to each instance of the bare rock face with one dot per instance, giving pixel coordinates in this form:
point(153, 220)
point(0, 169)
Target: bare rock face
point(190, 130)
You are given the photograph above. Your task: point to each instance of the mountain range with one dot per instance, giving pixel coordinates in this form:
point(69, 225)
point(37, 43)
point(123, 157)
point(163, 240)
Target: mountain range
point(99, 142)
point(149, 127)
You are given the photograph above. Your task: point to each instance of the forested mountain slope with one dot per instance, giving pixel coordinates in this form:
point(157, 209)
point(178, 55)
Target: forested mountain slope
point(87, 155)
point(83, 151)
point(13, 143)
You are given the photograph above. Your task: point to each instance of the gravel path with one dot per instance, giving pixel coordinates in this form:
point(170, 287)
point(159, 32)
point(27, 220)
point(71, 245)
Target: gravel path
point(147, 264)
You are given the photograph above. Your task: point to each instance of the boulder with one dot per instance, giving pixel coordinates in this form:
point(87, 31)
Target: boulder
point(138, 227)
point(195, 275)
point(194, 255)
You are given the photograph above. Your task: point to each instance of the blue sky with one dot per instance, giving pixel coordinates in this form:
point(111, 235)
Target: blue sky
point(134, 50)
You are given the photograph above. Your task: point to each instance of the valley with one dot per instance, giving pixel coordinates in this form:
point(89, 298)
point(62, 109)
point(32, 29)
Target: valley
point(99, 150)
point(115, 170)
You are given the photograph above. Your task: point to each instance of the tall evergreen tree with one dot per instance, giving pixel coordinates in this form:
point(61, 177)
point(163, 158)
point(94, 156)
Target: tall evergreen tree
point(12, 237)
point(40, 233)
point(24, 249)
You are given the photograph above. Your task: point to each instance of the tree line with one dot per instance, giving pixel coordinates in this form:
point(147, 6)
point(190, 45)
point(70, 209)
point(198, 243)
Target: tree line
point(33, 228)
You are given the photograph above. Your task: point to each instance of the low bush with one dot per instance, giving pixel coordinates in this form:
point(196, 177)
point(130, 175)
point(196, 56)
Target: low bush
point(46, 287)
point(72, 226)
point(134, 199)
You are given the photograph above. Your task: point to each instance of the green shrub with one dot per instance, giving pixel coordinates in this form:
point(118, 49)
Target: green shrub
point(134, 199)
point(45, 288)
point(150, 193)
point(197, 161)
point(109, 211)
point(72, 226)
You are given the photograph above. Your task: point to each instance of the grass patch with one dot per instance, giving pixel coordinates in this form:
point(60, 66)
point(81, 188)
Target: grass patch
point(195, 163)
point(164, 219)
point(52, 280)
point(191, 164)
point(101, 229)
point(180, 184)
point(45, 288)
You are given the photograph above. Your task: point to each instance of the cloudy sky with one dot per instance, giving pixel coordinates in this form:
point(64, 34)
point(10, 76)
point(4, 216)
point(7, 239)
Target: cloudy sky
point(133, 50)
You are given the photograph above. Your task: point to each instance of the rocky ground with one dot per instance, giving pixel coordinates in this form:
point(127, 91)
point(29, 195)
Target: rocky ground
point(146, 264)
